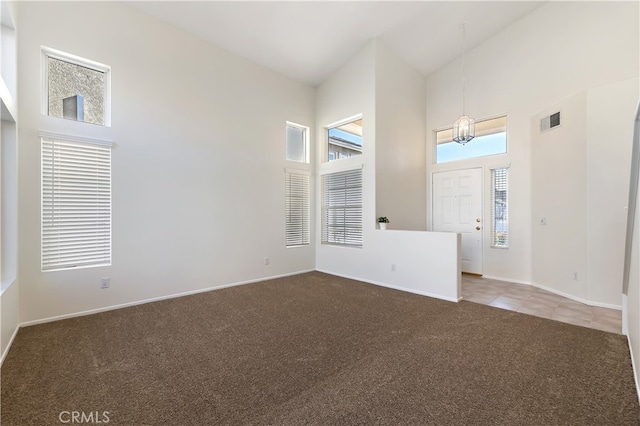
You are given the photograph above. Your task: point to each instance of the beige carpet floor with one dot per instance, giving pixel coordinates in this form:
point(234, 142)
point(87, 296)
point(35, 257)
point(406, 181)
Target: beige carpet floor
point(315, 349)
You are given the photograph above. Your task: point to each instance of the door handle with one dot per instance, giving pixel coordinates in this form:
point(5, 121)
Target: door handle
point(478, 220)
point(477, 228)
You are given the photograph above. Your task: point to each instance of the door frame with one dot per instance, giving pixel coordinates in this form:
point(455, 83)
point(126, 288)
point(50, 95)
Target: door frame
point(482, 204)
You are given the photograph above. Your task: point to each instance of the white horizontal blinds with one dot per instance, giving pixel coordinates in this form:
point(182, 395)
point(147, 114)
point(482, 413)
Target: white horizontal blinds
point(76, 204)
point(297, 208)
point(500, 207)
point(342, 208)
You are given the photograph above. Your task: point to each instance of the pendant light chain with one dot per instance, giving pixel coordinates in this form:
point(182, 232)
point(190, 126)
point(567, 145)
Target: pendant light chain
point(464, 127)
point(464, 65)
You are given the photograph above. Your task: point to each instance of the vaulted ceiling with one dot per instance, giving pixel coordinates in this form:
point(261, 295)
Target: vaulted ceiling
point(309, 40)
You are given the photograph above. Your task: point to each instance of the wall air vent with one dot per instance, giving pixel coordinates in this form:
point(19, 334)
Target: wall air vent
point(549, 122)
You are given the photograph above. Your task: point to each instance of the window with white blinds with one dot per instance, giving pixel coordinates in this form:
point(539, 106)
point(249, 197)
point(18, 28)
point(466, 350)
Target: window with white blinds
point(500, 208)
point(297, 208)
point(76, 204)
point(342, 208)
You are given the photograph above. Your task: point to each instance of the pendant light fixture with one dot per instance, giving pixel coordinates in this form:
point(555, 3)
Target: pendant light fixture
point(464, 128)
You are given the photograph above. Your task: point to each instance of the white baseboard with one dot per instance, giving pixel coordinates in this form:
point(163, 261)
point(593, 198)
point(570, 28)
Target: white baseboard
point(6, 350)
point(625, 331)
point(559, 293)
point(203, 290)
point(509, 280)
point(625, 311)
point(155, 299)
point(635, 370)
point(381, 284)
point(577, 299)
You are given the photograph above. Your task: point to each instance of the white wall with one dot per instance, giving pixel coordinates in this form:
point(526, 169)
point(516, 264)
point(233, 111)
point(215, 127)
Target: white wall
point(9, 312)
point(8, 207)
point(580, 176)
point(560, 50)
point(198, 161)
point(559, 195)
point(610, 115)
point(9, 285)
point(400, 149)
point(199, 148)
point(426, 263)
point(632, 318)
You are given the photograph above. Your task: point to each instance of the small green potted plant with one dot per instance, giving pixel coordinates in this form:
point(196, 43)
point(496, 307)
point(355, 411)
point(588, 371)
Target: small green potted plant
point(382, 222)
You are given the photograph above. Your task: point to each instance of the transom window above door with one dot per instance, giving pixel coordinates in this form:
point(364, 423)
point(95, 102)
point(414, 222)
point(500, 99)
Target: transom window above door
point(491, 139)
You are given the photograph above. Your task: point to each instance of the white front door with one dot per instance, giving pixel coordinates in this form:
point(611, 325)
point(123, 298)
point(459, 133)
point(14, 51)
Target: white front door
point(457, 207)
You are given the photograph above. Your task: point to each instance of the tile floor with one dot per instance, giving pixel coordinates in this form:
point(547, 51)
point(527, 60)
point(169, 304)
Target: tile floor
point(533, 301)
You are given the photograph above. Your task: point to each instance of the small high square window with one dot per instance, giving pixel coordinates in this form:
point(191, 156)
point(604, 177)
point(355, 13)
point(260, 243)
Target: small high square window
point(345, 140)
point(76, 88)
point(297, 143)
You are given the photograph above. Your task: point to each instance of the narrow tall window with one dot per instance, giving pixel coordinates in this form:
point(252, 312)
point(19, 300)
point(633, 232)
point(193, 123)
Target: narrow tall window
point(500, 208)
point(76, 204)
point(342, 208)
point(297, 208)
point(76, 88)
point(297, 143)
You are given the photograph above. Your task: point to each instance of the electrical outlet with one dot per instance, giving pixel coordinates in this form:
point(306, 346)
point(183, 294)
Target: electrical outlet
point(105, 282)
point(266, 260)
point(393, 267)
